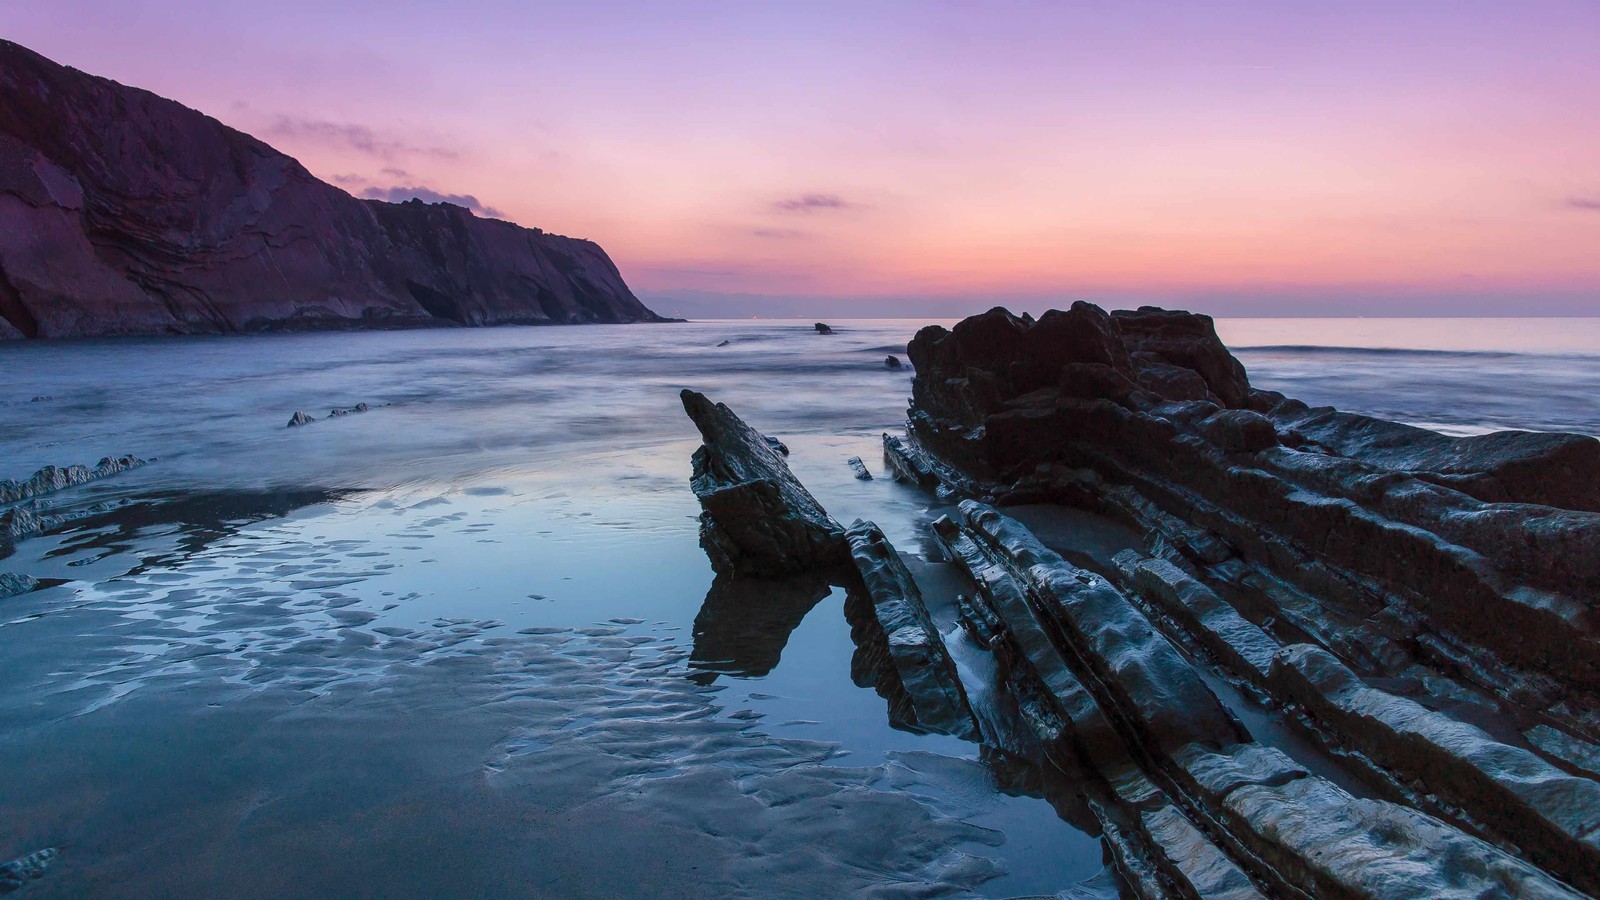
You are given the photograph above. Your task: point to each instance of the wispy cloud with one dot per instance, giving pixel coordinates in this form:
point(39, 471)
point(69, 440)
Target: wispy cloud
point(429, 195)
point(355, 137)
point(779, 234)
point(1588, 204)
point(810, 203)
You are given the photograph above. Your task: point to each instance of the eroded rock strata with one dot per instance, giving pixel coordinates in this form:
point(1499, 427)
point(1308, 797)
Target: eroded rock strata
point(1421, 607)
point(122, 212)
point(1283, 652)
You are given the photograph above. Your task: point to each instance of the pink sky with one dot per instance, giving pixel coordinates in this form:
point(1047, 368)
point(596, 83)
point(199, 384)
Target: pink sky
point(1383, 158)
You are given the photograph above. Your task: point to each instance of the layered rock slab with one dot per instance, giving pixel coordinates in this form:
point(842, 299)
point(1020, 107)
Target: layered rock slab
point(920, 664)
point(757, 519)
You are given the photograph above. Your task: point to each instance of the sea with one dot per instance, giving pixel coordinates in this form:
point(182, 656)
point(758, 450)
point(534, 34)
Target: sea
point(465, 643)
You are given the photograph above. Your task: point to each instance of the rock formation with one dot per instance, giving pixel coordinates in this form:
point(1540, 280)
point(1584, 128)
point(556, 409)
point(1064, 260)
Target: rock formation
point(758, 519)
point(1420, 607)
point(55, 478)
point(823, 328)
point(125, 213)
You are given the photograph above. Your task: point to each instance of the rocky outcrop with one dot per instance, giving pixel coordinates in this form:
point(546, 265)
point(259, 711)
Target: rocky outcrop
point(122, 212)
point(56, 478)
point(757, 519)
point(13, 584)
point(1419, 608)
point(1191, 804)
point(916, 665)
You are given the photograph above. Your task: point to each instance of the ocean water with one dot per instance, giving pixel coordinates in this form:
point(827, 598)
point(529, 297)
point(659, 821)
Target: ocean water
point(465, 643)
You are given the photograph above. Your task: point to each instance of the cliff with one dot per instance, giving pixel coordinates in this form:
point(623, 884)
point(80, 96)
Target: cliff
point(122, 212)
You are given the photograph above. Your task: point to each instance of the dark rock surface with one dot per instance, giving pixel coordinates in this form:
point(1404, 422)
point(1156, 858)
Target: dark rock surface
point(122, 212)
point(757, 519)
point(13, 584)
point(55, 478)
point(299, 419)
point(918, 667)
point(892, 362)
point(1421, 607)
point(859, 468)
point(823, 328)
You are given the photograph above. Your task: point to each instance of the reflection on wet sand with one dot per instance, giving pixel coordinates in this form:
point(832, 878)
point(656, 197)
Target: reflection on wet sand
point(744, 623)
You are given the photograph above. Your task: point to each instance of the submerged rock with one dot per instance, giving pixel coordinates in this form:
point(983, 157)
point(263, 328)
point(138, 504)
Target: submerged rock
point(891, 362)
point(859, 468)
point(299, 419)
point(822, 328)
point(348, 410)
point(55, 478)
point(12, 584)
point(757, 519)
point(18, 872)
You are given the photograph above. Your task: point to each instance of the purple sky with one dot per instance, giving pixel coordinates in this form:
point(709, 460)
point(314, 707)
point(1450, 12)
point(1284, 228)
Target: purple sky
point(931, 158)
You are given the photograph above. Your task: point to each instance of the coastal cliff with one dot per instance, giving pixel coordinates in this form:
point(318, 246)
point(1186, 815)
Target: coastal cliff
point(122, 212)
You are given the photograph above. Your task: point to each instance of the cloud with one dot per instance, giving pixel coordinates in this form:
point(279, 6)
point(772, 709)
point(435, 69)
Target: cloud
point(429, 195)
point(359, 138)
point(1588, 204)
point(351, 180)
point(782, 234)
point(810, 203)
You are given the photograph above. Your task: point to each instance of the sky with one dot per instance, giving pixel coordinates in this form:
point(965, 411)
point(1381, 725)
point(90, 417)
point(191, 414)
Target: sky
point(931, 158)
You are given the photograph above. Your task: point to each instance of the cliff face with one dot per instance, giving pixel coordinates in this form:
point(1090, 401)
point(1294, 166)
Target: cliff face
point(122, 212)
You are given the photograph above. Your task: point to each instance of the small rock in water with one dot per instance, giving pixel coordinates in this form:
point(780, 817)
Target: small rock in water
point(18, 872)
point(724, 343)
point(859, 467)
point(41, 398)
point(776, 444)
point(347, 410)
point(891, 362)
point(13, 584)
point(822, 328)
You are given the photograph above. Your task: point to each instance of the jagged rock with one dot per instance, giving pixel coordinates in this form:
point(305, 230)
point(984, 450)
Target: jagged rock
point(347, 410)
point(757, 519)
point(13, 584)
point(1323, 563)
point(125, 213)
point(56, 478)
point(299, 419)
point(776, 444)
point(892, 362)
point(859, 468)
point(18, 872)
point(822, 328)
point(1367, 514)
point(724, 343)
point(918, 662)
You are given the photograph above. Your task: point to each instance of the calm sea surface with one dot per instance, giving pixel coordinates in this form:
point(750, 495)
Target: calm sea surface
point(465, 644)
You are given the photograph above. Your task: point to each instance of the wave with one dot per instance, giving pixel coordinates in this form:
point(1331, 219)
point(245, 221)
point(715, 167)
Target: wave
point(1386, 351)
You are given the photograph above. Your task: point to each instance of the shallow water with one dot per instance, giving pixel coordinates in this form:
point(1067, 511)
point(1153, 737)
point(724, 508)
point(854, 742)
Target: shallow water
point(466, 643)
